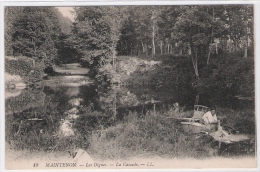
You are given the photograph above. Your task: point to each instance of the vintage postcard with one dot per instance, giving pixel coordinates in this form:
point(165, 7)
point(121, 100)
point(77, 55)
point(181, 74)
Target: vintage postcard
point(130, 87)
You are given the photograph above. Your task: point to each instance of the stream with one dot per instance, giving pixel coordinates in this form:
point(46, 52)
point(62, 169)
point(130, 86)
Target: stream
point(73, 99)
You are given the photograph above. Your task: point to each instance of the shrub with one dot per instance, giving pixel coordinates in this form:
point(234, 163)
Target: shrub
point(25, 68)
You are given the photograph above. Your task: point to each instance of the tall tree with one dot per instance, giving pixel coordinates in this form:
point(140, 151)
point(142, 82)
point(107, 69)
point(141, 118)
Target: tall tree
point(96, 32)
point(11, 13)
point(239, 21)
point(114, 17)
point(194, 26)
point(154, 19)
point(34, 32)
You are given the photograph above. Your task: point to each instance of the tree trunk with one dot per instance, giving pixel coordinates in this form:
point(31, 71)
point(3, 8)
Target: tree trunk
point(114, 109)
point(216, 48)
point(211, 37)
point(146, 49)
point(246, 37)
point(229, 45)
point(161, 46)
point(143, 47)
point(194, 58)
point(196, 65)
point(126, 48)
point(245, 53)
point(153, 43)
point(209, 54)
point(113, 56)
point(153, 19)
point(34, 62)
point(246, 46)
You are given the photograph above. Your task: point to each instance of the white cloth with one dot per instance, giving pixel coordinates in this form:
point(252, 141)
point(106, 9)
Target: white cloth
point(209, 118)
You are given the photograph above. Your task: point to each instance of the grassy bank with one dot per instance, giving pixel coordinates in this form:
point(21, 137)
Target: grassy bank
point(155, 135)
point(151, 135)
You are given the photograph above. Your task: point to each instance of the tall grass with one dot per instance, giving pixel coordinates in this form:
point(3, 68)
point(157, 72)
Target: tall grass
point(149, 135)
point(154, 135)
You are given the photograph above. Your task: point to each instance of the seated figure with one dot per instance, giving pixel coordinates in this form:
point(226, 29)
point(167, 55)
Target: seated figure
point(210, 117)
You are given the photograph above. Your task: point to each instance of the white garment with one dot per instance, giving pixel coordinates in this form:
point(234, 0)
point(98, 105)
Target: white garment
point(209, 118)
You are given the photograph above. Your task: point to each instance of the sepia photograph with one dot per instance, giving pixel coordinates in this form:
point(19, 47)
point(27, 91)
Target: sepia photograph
point(130, 87)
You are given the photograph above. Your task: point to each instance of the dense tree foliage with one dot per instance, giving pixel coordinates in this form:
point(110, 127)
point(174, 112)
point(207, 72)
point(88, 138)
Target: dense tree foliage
point(95, 33)
point(197, 31)
point(34, 32)
point(100, 32)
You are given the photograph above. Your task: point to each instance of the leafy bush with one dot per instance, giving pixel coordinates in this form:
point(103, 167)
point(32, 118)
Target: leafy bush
point(107, 74)
point(25, 68)
point(232, 73)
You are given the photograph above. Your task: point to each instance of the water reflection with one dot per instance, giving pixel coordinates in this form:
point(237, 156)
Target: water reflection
point(24, 100)
point(69, 103)
point(56, 112)
point(67, 110)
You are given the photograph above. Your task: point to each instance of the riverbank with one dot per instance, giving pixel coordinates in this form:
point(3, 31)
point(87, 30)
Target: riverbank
point(156, 135)
point(162, 72)
point(226, 73)
point(116, 122)
point(152, 138)
point(151, 135)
